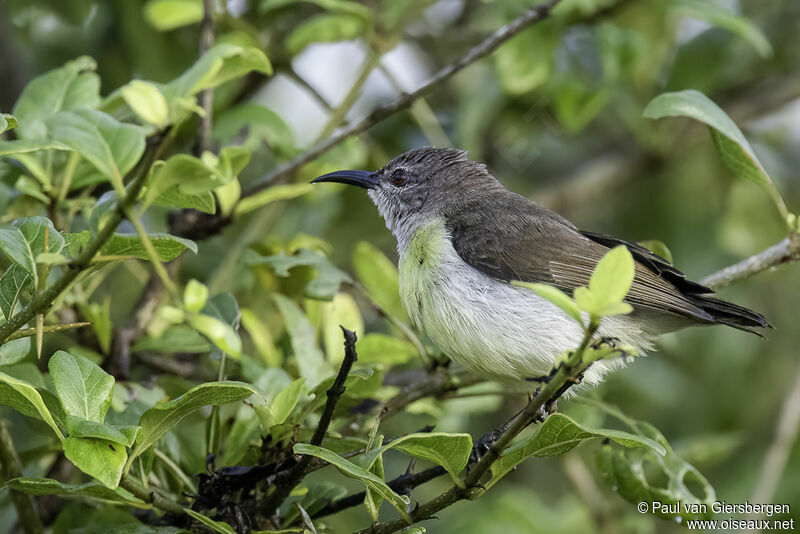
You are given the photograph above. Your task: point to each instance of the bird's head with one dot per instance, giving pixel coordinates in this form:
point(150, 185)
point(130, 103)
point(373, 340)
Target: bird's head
point(419, 185)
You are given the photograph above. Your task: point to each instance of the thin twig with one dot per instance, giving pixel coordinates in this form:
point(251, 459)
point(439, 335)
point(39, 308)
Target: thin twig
point(778, 452)
point(12, 468)
point(150, 496)
point(206, 96)
point(786, 251)
point(484, 48)
point(48, 329)
point(287, 480)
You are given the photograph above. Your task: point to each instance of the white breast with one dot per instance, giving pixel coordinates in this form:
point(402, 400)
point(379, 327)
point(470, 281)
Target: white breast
point(499, 331)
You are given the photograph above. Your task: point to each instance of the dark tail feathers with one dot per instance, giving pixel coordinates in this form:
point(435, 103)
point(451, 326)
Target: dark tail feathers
point(729, 314)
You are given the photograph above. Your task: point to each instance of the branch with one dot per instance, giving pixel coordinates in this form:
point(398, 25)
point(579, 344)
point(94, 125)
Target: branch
point(287, 480)
point(206, 96)
point(562, 378)
point(42, 301)
point(151, 496)
point(484, 48)
point(786, 251)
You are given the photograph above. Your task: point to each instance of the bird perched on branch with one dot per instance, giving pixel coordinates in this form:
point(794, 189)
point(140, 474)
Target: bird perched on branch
point(463, 238)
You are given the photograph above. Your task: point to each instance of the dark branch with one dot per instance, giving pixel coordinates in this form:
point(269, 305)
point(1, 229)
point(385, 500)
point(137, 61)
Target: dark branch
point(285, 481)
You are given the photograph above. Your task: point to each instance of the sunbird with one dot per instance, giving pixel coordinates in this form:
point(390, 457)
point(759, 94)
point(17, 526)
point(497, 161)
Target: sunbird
point(463, 238)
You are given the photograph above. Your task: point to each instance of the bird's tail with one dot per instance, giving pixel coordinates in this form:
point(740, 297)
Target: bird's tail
point(730, 314)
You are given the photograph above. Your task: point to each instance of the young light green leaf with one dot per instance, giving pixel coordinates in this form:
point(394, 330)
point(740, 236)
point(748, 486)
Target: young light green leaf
point(735, 151)
point(379, 275)
point(166, 15)
point(341, 311)
point(659, 248)
point(554, 295)
point(383, 349)
point(326, 28)
point(83, 388)
point(558, 435)
point(162, 417)
point(7, 122)
point(92, 490)
point(351, 470)
point(718, 15)
point(22, 396)
point(285, 401)
point(220, 527)
point(310, 360)
point(261, 337)
point(195, 296)
point(612, 278)
point(78, 427)
point(99, 458)
point(100, 317)
point(219, 333)
point(269, 195)
point(147, 101)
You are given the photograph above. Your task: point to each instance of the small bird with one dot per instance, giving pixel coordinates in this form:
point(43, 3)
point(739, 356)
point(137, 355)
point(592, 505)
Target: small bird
point(462, 238)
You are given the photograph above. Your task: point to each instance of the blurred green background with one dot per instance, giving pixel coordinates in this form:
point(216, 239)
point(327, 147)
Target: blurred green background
point(556, 115)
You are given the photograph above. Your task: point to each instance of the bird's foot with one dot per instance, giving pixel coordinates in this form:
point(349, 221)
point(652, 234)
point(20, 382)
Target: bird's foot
point(610, 341)
point(484, 444)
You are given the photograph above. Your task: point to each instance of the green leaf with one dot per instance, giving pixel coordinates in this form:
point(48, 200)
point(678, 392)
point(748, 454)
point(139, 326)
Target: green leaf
point(733, 148)
point(219, 333)
point(178, 338)
point(167, 246)
point(77, 427)
point(554, 295)
point(383, 349)
point(336, 6)
point(717, 15)
point(191, 176)
point(7, 122)
point(100, 317)
point(630, 472)
point(166, 15)
point(285, 401)
point(222, 63)
point(72, 86)
point(195, 296)
point(147, 101)
point(262, 126)
point(351, 470)
point(310, 361)
point(101, 459)
point(659, 248)
point(161, 418)
point(558, 435)
point(112, 147)
point(83, 388)
point(220, 527)
point(341, 311)
point(23, 146)
point(16, 247)
point(92, 490)
point(611, 279)
point(269, 195)
point(323, 286)
point(14, 282)
point(22, 396)
point(451, 451)
point(379, 275)
point(261, 338)
point(520, 70)
point(14, 351)
point(173, 198)
point(325, 28)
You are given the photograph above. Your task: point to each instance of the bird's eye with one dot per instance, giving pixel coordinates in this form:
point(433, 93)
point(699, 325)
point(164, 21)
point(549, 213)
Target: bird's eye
point(398, 177)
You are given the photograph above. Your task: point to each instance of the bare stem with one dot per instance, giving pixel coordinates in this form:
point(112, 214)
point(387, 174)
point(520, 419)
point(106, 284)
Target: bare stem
point(206, 96)
point(786, 251)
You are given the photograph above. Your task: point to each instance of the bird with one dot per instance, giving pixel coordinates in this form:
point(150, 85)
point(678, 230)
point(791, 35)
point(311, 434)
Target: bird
point(463, 239)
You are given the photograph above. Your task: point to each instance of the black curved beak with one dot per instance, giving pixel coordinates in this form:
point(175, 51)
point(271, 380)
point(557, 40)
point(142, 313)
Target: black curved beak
point(365, 179)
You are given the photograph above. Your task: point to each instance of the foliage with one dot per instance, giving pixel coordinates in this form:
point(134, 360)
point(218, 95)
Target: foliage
point(172, 290)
